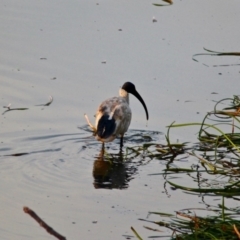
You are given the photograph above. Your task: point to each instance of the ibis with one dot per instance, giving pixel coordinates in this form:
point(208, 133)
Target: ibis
point(113, 116)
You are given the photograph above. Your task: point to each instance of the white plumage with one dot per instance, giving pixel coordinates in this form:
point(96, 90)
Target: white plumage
point(113, 116)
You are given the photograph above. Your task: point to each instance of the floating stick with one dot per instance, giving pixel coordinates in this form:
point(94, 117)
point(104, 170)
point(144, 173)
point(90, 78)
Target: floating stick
point(43, 224)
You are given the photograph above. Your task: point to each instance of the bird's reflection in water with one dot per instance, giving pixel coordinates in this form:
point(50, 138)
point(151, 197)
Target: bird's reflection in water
point(111, 172)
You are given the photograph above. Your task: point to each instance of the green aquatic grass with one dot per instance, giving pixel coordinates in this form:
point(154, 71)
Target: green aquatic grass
point(217, 154)
point(186, 224)
point(136, 234)
point(170, 2)
point(215, 53)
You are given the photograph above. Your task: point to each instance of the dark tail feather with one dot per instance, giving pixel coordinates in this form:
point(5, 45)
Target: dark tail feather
point(105, 127)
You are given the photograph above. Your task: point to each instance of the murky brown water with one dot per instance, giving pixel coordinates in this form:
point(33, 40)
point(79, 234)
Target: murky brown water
point(76, 53)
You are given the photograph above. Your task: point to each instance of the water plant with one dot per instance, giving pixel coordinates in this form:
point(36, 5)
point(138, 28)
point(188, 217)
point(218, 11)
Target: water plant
point(217, 153)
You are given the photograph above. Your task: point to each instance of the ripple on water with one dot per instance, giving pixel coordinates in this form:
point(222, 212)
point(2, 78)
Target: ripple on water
point(54, 161)
point(64, 169)
point(45, 162)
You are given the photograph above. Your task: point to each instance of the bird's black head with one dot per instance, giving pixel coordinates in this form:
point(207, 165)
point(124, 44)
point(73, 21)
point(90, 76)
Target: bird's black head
point(130, 88)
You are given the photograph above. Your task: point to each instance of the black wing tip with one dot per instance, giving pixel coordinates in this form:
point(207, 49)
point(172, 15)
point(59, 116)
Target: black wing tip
point(106, 127)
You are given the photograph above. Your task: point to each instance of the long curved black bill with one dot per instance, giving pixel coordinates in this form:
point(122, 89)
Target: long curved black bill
point(138, 96)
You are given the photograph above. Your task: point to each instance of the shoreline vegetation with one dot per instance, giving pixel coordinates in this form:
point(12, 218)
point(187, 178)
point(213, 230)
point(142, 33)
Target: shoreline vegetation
point(216, 174)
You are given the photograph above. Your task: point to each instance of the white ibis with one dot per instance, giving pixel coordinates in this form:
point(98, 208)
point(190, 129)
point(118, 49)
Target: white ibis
point(114, 115)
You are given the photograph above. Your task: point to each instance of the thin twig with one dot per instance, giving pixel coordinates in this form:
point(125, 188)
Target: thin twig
point(89, 123)
point(43, 224)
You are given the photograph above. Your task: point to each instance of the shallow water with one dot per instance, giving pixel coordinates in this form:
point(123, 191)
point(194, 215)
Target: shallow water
point(80, 53)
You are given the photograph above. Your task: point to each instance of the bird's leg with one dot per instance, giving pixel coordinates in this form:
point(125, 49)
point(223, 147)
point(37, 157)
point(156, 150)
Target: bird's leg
point(120, 154)
point(102, 147)
point(101, 154)
point(121, 141)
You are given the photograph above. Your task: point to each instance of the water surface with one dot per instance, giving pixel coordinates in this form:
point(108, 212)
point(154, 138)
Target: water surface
point(80, 53)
